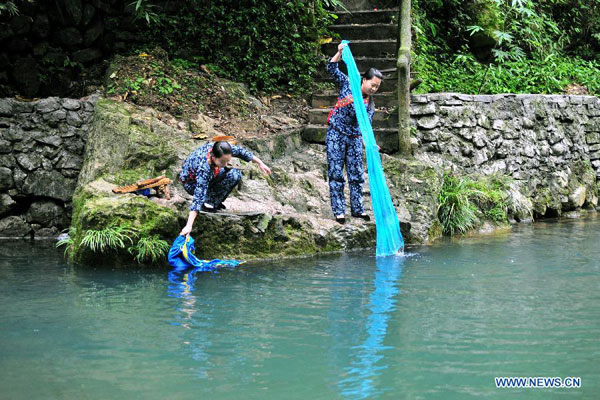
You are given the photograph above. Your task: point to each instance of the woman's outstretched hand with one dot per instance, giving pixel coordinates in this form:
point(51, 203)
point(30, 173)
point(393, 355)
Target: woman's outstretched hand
point(262, 166)
point(185, 231)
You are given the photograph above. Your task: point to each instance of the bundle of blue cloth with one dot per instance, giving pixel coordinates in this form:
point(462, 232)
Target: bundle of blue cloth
point(389, 237)
point(182, 258)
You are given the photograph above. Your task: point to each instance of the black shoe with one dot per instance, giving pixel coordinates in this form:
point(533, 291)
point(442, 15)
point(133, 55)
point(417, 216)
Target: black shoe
point(341, 220)
point(221, 207)
point(362, 216)
point(208, 210)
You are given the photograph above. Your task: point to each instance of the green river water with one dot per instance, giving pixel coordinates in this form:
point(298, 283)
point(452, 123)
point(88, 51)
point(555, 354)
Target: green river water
point(440, 323)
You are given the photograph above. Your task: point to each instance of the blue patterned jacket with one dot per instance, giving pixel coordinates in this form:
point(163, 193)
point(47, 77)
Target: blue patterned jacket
point(344, 119)
point(197, 170)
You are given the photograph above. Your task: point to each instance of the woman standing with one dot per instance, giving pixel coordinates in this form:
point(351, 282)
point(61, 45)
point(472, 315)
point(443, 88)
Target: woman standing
point(344, 141)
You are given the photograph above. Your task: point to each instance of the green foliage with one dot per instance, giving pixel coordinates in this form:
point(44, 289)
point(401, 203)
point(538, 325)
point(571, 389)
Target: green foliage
point(150, 249)
point(111, 238)
point(456, 211)
point(147, 249)
point(10, 7)
point(144, 10)
point(69, 244)
point(150, 79)
point(270, 45)
point(538, 49)
point(548, 75)
point(165, 85)
point(463, 201)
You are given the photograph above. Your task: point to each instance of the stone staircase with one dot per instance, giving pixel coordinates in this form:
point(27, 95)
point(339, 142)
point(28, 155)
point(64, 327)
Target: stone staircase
point(372, 34)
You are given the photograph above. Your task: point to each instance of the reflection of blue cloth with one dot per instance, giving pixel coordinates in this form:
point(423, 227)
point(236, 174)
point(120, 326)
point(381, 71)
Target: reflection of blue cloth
point(181, 257)
point(389, 237)
point(360, 381)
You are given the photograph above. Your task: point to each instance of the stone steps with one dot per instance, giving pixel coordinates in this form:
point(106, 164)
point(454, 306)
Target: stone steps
point(386, 65)
point(382, 48)
point(366, 31)
point(373, 36)
point(386, 138)
point(386, 16)
point(381, 119)
point(328, 99)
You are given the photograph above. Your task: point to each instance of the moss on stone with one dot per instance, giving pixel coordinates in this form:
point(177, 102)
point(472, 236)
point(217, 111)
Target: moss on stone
point(95, 210)
point(435, 231)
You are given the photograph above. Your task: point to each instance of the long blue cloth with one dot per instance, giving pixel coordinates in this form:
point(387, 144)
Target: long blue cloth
point(182, 258)
point(389, 237)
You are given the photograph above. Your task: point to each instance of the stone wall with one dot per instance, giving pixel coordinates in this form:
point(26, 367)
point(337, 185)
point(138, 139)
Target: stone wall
point(41, 153)
point(549, 144)
point(58, 47)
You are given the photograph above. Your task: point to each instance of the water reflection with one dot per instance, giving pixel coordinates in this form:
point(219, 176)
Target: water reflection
point(363, 370)
point(181, 286)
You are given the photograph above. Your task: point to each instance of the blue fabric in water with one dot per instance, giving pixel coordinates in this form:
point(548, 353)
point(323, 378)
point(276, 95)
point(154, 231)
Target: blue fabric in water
point(389, 237)
point(181, 257)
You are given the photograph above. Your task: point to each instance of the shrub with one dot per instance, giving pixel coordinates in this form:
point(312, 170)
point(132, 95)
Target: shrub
point(150, 249)
point(464, 201)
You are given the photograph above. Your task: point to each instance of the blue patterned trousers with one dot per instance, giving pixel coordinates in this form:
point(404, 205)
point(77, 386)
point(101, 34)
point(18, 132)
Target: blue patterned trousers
point(218, 188)
point(345, 150)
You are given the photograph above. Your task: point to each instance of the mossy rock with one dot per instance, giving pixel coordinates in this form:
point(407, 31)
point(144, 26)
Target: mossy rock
point(415, 186)
point(125, 145)
point(96, 208)
point(257, 235)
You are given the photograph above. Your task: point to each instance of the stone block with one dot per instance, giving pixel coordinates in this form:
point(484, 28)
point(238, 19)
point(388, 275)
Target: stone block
point(29, 161)
point(577, 198)
point(14, 227)
point(428, 122)
point(427, 109)
point(6, 203)
point(74, 119)
point(46, 213)
point(418, 99)
point(86, 55)
point(5, 146)
point(50, 184)
point(71, 104)
point(48, 105)
point(25, 107)
point(6, 107)
point(6, 179)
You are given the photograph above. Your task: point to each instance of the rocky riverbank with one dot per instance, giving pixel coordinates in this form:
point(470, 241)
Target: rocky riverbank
point(287, 213)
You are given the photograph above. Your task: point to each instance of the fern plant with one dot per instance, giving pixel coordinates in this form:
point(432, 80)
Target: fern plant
point(151, 248)
point(456, 211)
point(68, 243)
point(464, 200)
point(111, 238)
point(9, 7)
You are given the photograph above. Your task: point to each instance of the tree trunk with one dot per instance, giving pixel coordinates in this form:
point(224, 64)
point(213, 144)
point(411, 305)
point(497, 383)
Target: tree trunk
point(403, 66)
